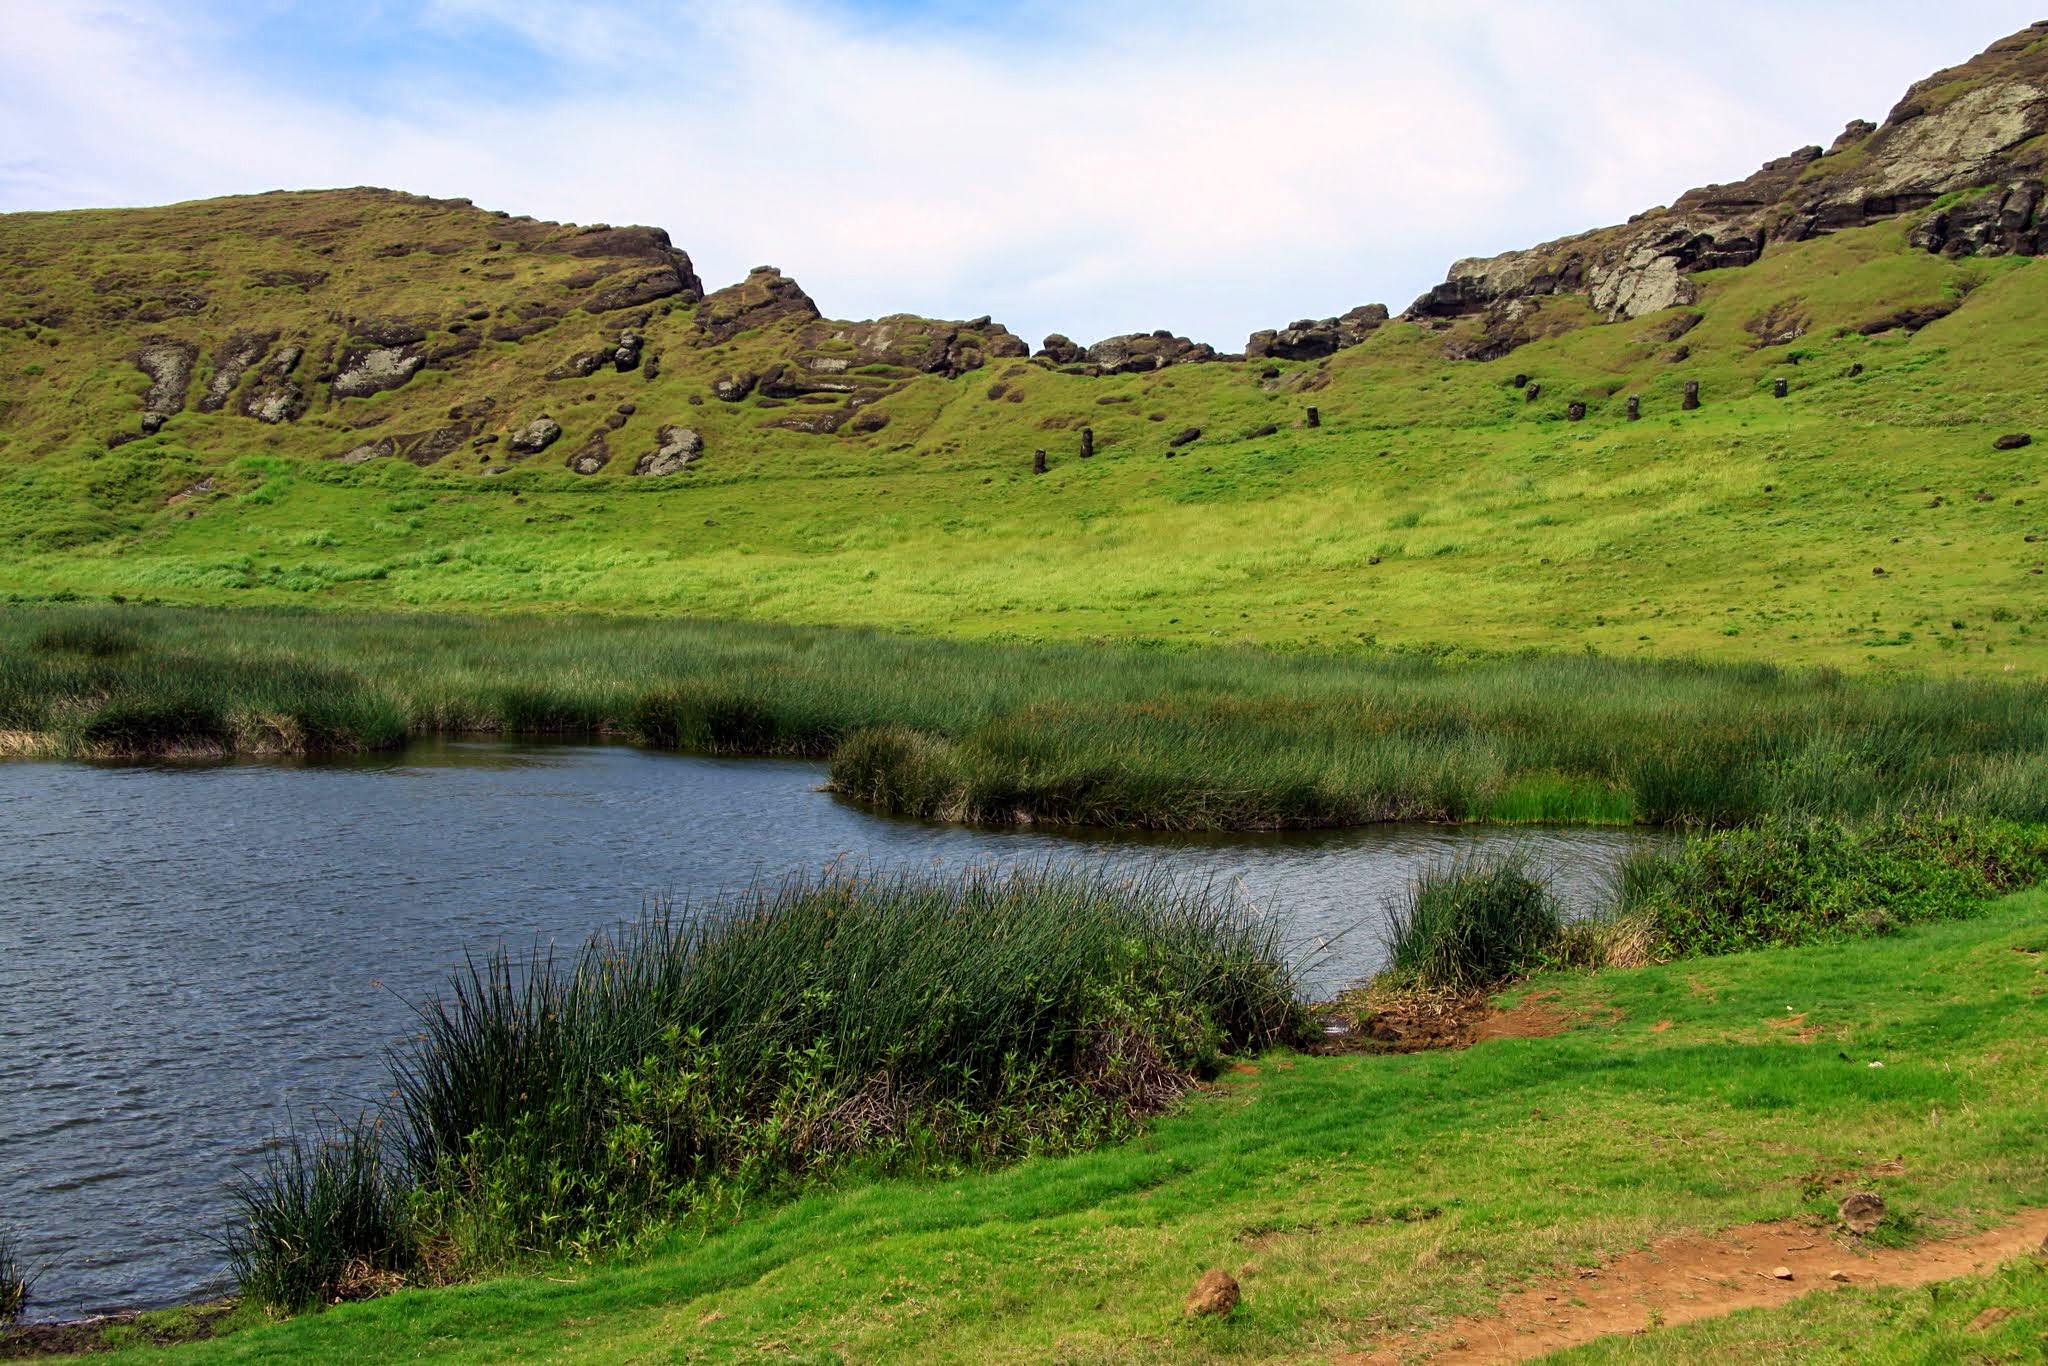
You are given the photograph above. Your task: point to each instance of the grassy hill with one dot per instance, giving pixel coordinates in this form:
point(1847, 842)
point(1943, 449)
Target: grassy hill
point(361, 363)
point(1435, 503)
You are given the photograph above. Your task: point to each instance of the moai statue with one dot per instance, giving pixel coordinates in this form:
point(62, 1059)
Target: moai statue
point(1532, 393)
point(1635, 407)
point(1576, 412)
point(1780, 388)
point(1087, 443)
point(1038, 462)
point(1521, 381)
point(1692, 395)
point(1315, 417)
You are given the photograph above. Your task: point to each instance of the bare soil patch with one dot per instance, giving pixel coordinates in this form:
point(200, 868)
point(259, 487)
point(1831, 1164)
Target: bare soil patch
point(1684, 1279)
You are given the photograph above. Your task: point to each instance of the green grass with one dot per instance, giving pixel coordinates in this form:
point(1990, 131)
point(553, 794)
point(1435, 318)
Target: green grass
point(711, 1058)
point(1354, 1196)
point(1180, 740)
point(1432, 507)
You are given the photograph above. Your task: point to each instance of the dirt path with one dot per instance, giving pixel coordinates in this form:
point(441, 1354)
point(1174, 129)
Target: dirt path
point(1681, 1280)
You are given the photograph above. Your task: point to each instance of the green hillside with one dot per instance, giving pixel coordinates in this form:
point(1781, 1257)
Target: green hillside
point(362, 363)
point(1434, 503)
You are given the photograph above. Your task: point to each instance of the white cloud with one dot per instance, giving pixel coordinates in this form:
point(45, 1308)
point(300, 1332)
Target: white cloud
point(1207, 166)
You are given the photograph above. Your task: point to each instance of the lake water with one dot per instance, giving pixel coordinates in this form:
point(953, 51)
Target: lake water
point(189, 956)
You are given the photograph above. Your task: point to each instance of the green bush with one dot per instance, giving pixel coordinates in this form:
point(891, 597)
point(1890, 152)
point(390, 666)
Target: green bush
point(1473, 924)
point(1789, 881)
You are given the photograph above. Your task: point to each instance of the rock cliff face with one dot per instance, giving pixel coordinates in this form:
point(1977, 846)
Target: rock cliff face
point(1976, 133)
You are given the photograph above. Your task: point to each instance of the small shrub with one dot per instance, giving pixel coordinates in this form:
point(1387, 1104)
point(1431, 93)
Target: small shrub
point(323, 1220)
point(1473, 924)
point(1787, 881)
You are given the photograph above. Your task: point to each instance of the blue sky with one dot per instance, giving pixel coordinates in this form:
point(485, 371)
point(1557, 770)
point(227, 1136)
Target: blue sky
point(1206, 165)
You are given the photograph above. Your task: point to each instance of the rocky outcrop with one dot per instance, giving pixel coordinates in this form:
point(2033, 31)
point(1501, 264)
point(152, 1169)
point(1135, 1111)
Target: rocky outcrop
point(1143, 352)
point(169, 367)
point(734, 386)
point(641, 267)
point(675, 448)
point(904, 341)
point(274, 396)
point(1061, 350)
point(1999, 222)
point(1312, 339)
point(764, 297)
point(592, 456)
point(373, 370)
point(231, 360)
point(1975, 125)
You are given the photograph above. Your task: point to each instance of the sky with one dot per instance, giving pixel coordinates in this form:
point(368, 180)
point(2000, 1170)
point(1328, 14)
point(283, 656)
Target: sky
point(1211, 166)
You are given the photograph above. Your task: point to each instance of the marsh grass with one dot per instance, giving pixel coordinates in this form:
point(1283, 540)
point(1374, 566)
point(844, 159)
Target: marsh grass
point(15, 1280)
point(1219, 739)
point(1473, 924)
point(326, 1217)
point(709, 1057)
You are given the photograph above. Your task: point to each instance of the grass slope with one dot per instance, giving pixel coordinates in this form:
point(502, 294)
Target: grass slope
point(1358, 1196)
point(1433, 505)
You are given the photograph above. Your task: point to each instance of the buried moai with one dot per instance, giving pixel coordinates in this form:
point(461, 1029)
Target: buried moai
point(1314, 417)
point(1087, 443)
point(1038, 462)
point(1532, 393)
point(1780, 388)
point(1635, 407)
point(1692, 395)
point(1575, 411)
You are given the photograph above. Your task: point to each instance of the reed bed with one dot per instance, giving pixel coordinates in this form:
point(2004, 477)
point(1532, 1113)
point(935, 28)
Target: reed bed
point(1083, 735)
point(706, 1057)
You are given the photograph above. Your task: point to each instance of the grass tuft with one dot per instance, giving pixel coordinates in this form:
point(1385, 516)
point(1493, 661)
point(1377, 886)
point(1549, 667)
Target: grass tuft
point(324, 1219)
point(15, 1281)
point(1473, 924)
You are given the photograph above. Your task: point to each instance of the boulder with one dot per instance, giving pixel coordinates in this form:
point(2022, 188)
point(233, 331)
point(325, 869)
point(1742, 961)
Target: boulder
point(591, 457)
point(2013, 441)
point(1061, 350)
point(364, 372)
point(1140, 353)
point(675, 448)
point(1311, 339)
point(535, 437)
point(626, 355)
point(1185, 438)
point(169, 367)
